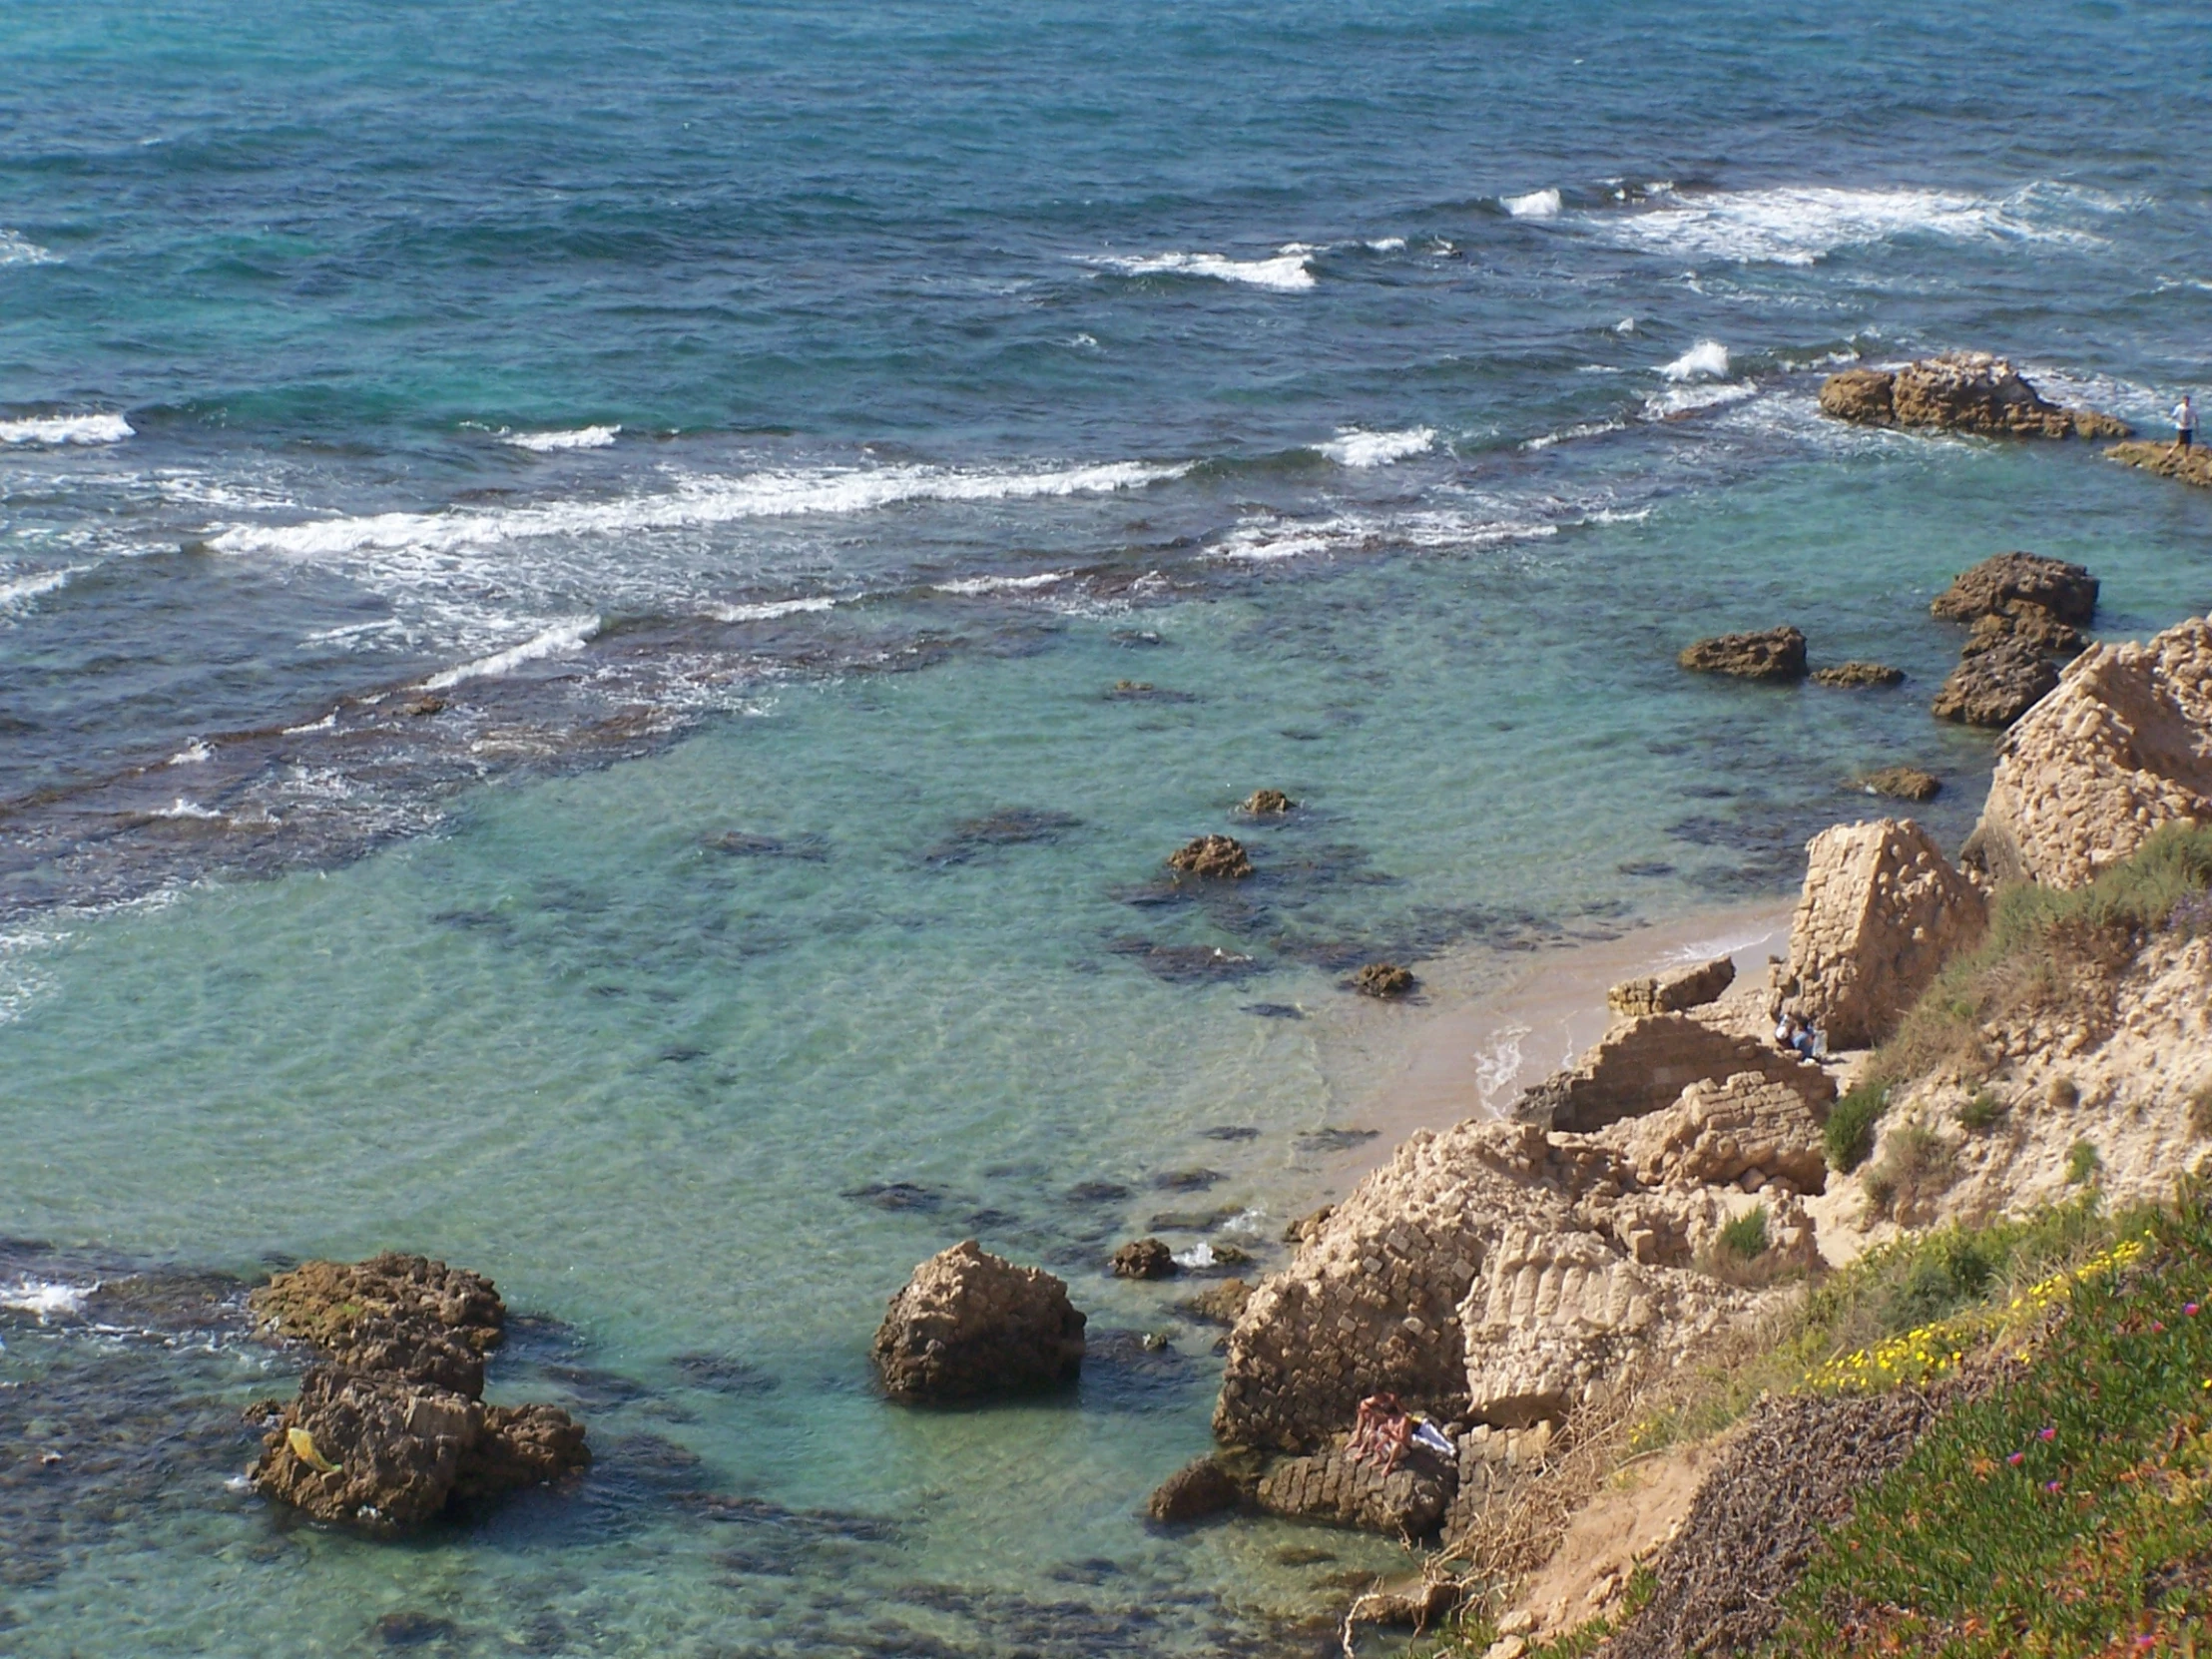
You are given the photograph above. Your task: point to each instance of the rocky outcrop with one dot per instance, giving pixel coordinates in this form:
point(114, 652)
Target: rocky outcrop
point(1199, 1488)
point(1143, 1259)
point(1959, 392)
point(969, 1325)
point(1881, 912)
point(1384, 979)
point(1266, 803)
point(2011, 584)
point(2122, 746)
point(1219, 858)
point(1674, 992)
point(1774, 654)
point(1900, 782)
point(1741, 1131)
point(393, 1430)
point(1998, 686)
point(2189, 466)
point(1221, 1304)
point(1643, 1064)
point(1856, 676)
point(1409, 1502)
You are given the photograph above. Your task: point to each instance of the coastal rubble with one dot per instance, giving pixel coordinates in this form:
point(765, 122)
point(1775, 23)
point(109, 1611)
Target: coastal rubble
point(393, 1429)
point(1771, 654)
point(1672, 992)
point(1143, 1259)
point(1334, 1487)
point(1201, 1487)
point(2121, 747)
point(2189, 466)
point(1859, 676)
point(1994, 687)
point(1881, 912)
point(1959, 392)
point(1386, 981)
point(2027, 612)
point(1900, 782)
point(969, 1325)
point(1643, 1064)
point(2011, 584)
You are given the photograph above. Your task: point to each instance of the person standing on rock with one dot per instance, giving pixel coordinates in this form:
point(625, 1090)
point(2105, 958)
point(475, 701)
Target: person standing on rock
point(2185, 425)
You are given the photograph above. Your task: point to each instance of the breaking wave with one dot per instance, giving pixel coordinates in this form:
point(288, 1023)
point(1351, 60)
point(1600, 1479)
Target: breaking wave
point(1352, 447)
point(18, 248)
point(1707, 358)
point(557, 641)
point(60, 429)
point(582, 437)
point(1286, 271)
point(1537, 203)
point(1800, 225)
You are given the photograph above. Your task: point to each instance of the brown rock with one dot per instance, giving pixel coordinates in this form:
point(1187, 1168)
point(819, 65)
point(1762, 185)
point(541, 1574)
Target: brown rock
point(1858, 676)
point(1775, 654)
point(1881, 912)
point(2028, 625)
point(1642, 1065)
point(2003, 584)
point(1144, 1258)
point(404, 1315)
point(1719, 1132)
point(1900, 782)
point(2189, 466)
point(1673, 991)
point(1266, 803)
point(2122, 746)
point(377, 1454)
point(1199, 1488)
point(969, 1325)
point(521, 1446)
point(1383, 979)
point(1328, 1486)
point(1218, 1303)
point(1864, 395)
point(423, 706)
point(1216, 857)
point(1961, 392)
point(1996, 687)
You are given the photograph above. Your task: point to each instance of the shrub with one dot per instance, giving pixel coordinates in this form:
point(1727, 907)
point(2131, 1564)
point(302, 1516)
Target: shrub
point(1746, 1236)
point(2082, 1161)
point(2200, 1109)
point(2064, 1094)
point(1915, 1164)
point(1849, 1133)
point(1981, 1111)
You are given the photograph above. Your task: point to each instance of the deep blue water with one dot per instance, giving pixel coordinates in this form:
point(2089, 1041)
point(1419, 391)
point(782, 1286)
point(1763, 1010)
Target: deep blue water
point(538, 548)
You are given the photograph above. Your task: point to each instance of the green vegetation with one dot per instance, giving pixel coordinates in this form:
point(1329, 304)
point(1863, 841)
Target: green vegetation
point(1916, 1162)
point(2067, 1514)
point(1981, 1112)
point(1746, 1236)
point(1849, 1132)
point(2082, 1161)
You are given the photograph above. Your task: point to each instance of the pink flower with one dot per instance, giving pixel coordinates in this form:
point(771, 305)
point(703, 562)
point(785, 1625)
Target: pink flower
point(2046, 1434)
point(2051, 1485)
point(2156, 1328)
point(2190, 1309)
point(2016, 1458)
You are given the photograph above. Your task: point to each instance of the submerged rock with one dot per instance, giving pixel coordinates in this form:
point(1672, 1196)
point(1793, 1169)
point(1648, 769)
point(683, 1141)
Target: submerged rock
point(1900, 782)
point(1857, 675)
point(1199, 1488)
point(1774, 654)
point(1881, 912)
point(2122, 746)
point(1218, 1303)
point(1959, 392)
point(2189, 466)
point(2008, 583)
point(969, 1325)
point(1144, 1258)
point(1215, 856)
point(1384, 979)
point(1673, 991)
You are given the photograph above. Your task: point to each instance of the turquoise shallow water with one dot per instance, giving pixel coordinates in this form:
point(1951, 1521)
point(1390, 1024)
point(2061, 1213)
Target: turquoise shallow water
point(848, 495)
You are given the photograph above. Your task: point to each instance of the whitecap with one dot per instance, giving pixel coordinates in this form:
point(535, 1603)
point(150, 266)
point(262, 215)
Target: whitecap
point(694, 501)
point(195, 753)
point(183, 808)
point(972, 585)
point(1287, 271)
point(64, 429)
point(1800, 225)
point(1537, 203)
point(1687, 400)
point(329, 723)
point(1388, 244)
point(22, 589)
point(1200, 1255)
point(1626, 325)
point(18, 248)
point(44, 1298)
point(1587, 430)
point(351, 631)
point(581, 437)
point(557, 641)
point(767, 612)
point(1708, 358)
point(1353, 447)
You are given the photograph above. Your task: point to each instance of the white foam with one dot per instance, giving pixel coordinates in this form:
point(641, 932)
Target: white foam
point(25, 588)
point(1388, 244)
point(1537, 203)
point(1688, 399)
point(1798, 226)
point(329, 723)
point(767, 612)
point(972, 585)
point(1353, 447)
point(351, 631)
point(1708, 358)
point(64, 430)
point(183, 808)
point(1285, 273)
point(1200, 1255)
point(18, 248)
point(693, 502)
point(1587, 430)
point(1270, 540)
point(1626, 325)
point(1496, 1066)
point(195, 753)
point(581, 437)
point(557, 641)
point(45, 1299)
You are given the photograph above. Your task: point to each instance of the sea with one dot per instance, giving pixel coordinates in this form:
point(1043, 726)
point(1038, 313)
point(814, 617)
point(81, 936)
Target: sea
point(607, 613)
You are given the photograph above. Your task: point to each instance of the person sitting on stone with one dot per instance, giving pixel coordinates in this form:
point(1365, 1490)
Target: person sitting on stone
point(1379, 1432)
point(1787, 1030)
